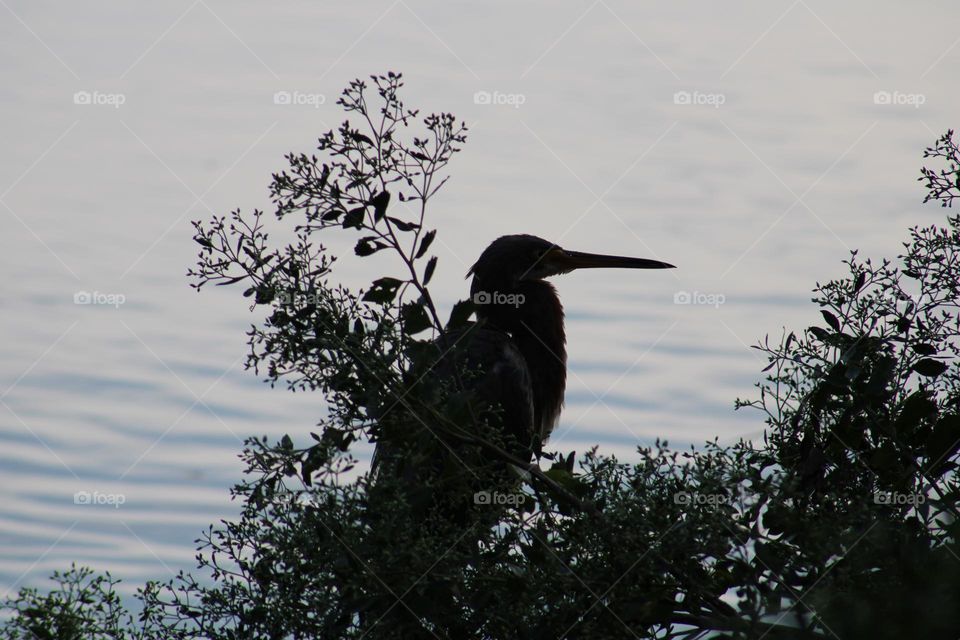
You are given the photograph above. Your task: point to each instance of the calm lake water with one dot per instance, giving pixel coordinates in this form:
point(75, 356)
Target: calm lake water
point(751, 144)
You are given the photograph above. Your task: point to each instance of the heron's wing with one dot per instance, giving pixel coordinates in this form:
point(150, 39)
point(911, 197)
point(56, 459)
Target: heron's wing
point(488, 363)
point(499, 377)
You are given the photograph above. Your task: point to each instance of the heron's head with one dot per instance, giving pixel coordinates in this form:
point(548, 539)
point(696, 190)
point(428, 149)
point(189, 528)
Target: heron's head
point(512, 260)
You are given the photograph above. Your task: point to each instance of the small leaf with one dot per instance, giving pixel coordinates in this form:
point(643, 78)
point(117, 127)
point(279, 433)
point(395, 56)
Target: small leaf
point(368, 246)
point(924, 349)
point(415, 318)
point(425, 243)
point(402, 225)
point(265, 294)
point(820, 333)
point(860, 280)
point(337, 437)
point(930, 367)
point(831, 319)
point(382, 291)
point(903, 324)
point(356, 183)
point(332, 214)
point(380, 202)
point(460, 314)
point(354, 218)
point(231, 281)
point(428, 272)
point(359, 137)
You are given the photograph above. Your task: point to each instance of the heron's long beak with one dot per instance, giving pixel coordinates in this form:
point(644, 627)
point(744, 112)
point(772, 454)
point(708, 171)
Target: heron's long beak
point(565, 261)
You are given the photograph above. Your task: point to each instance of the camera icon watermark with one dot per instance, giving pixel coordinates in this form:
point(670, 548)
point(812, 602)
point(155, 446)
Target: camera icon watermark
point(499, 499)
point(514, 100)
point(704, 499)
point(115, 100)
point(895, 301)
point(98, 298)
point(699, 98)
point(98, 498)
point(299, 98)
point(496, 297)
point(698, 297)
point(895, 499)
point(298, 299)
point(897, 98)
point(294, 498)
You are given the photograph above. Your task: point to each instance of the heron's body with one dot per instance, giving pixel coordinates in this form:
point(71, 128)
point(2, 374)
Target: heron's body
point(501, 380)
point(517, 350)
point(494, 368)
point(532, 348)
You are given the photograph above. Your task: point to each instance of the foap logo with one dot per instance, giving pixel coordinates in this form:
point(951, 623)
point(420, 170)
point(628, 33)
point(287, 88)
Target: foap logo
point(97, 498)
point(899, 301)
point(496, 297)
point(294, 498)
point(299, 98)
point(96, 297)
point(500, 499)
point(897, 98)
point(514, 100)
point(299, 299)
point(114, 100)
point(699, 98)
point(708, 499)
point(899, 499)
point(699, 297)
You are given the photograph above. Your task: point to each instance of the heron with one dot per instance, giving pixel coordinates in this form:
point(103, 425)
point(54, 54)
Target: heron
point(514, 359)
point(522, 341)
point(517, 348)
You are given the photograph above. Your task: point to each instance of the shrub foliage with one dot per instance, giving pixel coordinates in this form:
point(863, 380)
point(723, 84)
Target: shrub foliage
point(842, 523)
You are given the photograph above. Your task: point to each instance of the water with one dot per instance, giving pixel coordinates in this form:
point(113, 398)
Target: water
point(584, 143)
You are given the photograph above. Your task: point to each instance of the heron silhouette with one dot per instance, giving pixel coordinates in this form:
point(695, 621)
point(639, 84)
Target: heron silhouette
point(513, 361)
point(516, 351)
point(522, 341)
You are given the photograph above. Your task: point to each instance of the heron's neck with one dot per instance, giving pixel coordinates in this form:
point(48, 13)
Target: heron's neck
point(540, 336)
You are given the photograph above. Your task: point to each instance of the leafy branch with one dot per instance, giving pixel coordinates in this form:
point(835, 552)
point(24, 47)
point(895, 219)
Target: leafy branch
point(943, 184)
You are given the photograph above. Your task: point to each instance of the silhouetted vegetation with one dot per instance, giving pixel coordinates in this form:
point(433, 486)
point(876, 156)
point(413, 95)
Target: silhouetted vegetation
point(842, 523)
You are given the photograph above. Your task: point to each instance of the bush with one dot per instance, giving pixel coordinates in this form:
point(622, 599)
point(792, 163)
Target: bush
point(842, 522)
